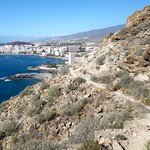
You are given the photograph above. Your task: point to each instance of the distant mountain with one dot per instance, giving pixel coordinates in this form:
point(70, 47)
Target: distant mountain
point(19, 43)
point(6, 39)
point(92, 34)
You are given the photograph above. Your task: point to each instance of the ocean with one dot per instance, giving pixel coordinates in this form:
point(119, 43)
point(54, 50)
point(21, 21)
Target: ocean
point(14, 64)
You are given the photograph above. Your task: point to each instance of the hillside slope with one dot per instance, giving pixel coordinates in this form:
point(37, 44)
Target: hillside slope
point(102, 102)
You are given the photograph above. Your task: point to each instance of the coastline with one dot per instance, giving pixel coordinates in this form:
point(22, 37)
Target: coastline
point(63, 58)
point(17, 84)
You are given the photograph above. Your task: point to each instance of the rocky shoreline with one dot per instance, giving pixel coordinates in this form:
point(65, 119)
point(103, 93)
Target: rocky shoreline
point(22, 76)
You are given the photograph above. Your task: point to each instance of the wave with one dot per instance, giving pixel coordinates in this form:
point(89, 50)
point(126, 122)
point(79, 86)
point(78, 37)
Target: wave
point(6, 80)
point(3, 78)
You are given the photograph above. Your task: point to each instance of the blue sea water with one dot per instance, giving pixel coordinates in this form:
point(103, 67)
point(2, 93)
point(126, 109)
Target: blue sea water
point(13, 64)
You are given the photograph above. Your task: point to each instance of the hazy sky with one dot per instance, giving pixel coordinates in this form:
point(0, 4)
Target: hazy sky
point(61, 17)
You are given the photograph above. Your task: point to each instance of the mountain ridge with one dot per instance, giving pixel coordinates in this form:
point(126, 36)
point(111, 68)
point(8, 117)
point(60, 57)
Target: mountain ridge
point(98, 32)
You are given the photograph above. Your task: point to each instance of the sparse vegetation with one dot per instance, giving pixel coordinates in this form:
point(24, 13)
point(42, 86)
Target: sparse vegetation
point(91, 145)
point(73, 86)
point(43, 86)
point(37, 145)
point(36, 97)
point(10, 127)
point(85, 131)
point(94, 78)
point(20, 111)
point(76, 108)
point(120, 137)
point(46, 116)
point(33, 111)
point(147, 101)
point(28, 90)
point(100, 60)
point(125, 80)
point(121, 73)
point(137, 89)
point(53, 92)
point(3, 106)
point(147, 41)
point(106, 79)
point(84, 71)
point(62, 70)
point(2, 135)
point(139, 52)
point(79, 80)
point(124, 33)
point(115, 120)
point(148, 145)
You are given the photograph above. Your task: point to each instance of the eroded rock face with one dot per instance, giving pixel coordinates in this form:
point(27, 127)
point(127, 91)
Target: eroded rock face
point(139, 17)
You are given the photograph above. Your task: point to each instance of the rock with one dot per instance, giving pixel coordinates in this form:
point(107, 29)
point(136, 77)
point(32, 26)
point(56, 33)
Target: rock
point(68, 124)
point(141, 77)
point(101, 140)
point(115, 58)
point(116, 145)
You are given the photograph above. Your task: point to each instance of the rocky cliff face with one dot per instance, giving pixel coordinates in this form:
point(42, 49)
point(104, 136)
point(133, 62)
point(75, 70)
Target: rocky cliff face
point(139, 17)
point(101, 102)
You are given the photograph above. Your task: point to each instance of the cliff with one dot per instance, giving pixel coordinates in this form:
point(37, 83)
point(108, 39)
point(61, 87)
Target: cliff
point(102, 102)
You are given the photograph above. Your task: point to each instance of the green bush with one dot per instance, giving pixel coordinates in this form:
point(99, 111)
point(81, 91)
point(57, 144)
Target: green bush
point(121, 73)
point(94, 78)
point(53, 92)
point(72, 86)
point(91, 145)
point(106, 79)
point(44, 85)
point(84, 71)
point(2, 135)
point(76, 108)
point(135, 88)
point(39, 104)
point(79, 80)
point(120, 137)
point(147, 101)
point(148, 145)
point(33, 111)
point(124, 81)
point(10, 127)
point(3, 106)
point(46, 116)
point(100, 60)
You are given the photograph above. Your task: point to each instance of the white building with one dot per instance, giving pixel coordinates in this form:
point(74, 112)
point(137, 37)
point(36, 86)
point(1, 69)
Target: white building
point(72, 51)
point(71, 58)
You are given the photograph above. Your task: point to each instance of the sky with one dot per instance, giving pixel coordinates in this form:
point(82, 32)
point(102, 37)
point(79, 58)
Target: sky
point(41, 18)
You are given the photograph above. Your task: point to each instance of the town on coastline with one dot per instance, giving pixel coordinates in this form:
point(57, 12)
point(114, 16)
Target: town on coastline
point(67, 50)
